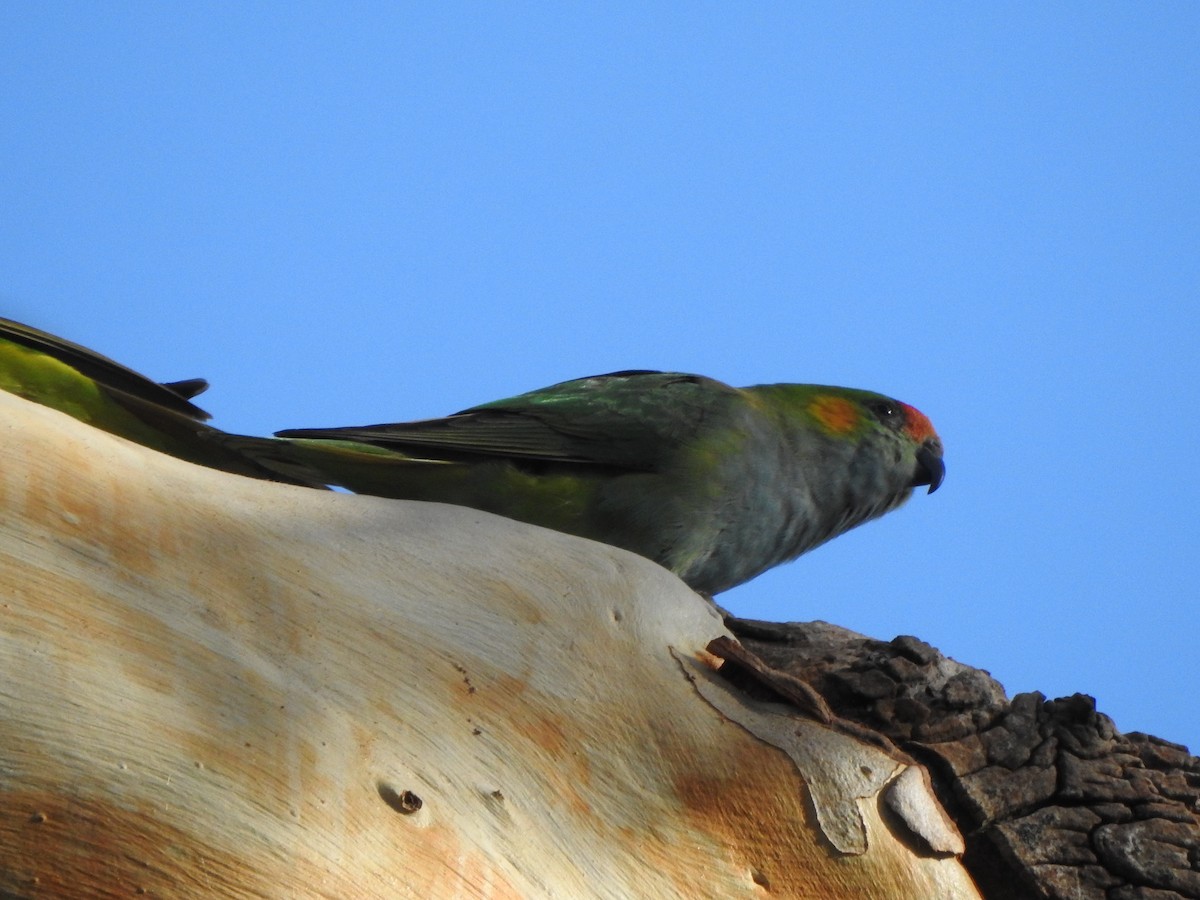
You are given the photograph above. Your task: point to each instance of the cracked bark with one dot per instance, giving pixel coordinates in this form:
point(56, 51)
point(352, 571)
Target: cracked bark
point(1052, 800)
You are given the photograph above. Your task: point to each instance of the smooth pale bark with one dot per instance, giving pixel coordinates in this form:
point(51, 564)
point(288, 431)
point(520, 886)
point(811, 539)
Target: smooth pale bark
point(214, 686)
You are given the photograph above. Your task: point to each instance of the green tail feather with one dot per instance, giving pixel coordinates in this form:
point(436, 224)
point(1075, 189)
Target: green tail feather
point(94, 389)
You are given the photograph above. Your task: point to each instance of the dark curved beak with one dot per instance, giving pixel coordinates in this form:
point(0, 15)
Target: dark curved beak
point(930, 468)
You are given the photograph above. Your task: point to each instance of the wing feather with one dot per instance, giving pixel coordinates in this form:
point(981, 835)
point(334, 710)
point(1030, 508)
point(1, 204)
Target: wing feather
point(631, 420)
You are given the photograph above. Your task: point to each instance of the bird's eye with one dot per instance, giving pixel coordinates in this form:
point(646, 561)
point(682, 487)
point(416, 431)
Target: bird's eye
point(885, 410)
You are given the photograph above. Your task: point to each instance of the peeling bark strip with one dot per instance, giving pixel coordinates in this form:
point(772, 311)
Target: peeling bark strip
point(1054, 802)
point(862, 772)
point(212, 686)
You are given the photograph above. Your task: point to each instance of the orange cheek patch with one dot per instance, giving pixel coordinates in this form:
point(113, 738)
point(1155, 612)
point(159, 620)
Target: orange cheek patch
point(836, 415)
point(917, 425)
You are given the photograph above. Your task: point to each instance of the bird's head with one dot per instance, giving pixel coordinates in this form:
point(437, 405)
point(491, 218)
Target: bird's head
point(886, 431)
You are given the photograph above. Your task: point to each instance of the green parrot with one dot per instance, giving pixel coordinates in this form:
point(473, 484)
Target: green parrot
point(716, 483)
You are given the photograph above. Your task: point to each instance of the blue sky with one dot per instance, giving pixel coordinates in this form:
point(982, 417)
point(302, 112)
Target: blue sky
point(353, 213)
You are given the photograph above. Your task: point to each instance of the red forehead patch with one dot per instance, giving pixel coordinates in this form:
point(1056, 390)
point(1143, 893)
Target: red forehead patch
point(917, 424)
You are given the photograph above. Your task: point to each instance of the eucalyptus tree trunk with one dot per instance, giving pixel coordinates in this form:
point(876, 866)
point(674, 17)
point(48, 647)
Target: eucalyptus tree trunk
point(212, 686)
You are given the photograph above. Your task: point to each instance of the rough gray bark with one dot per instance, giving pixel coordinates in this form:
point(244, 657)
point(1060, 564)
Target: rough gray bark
point(1052, 800)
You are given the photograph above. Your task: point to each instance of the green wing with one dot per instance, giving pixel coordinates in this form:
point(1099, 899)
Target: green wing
point(631, 420)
